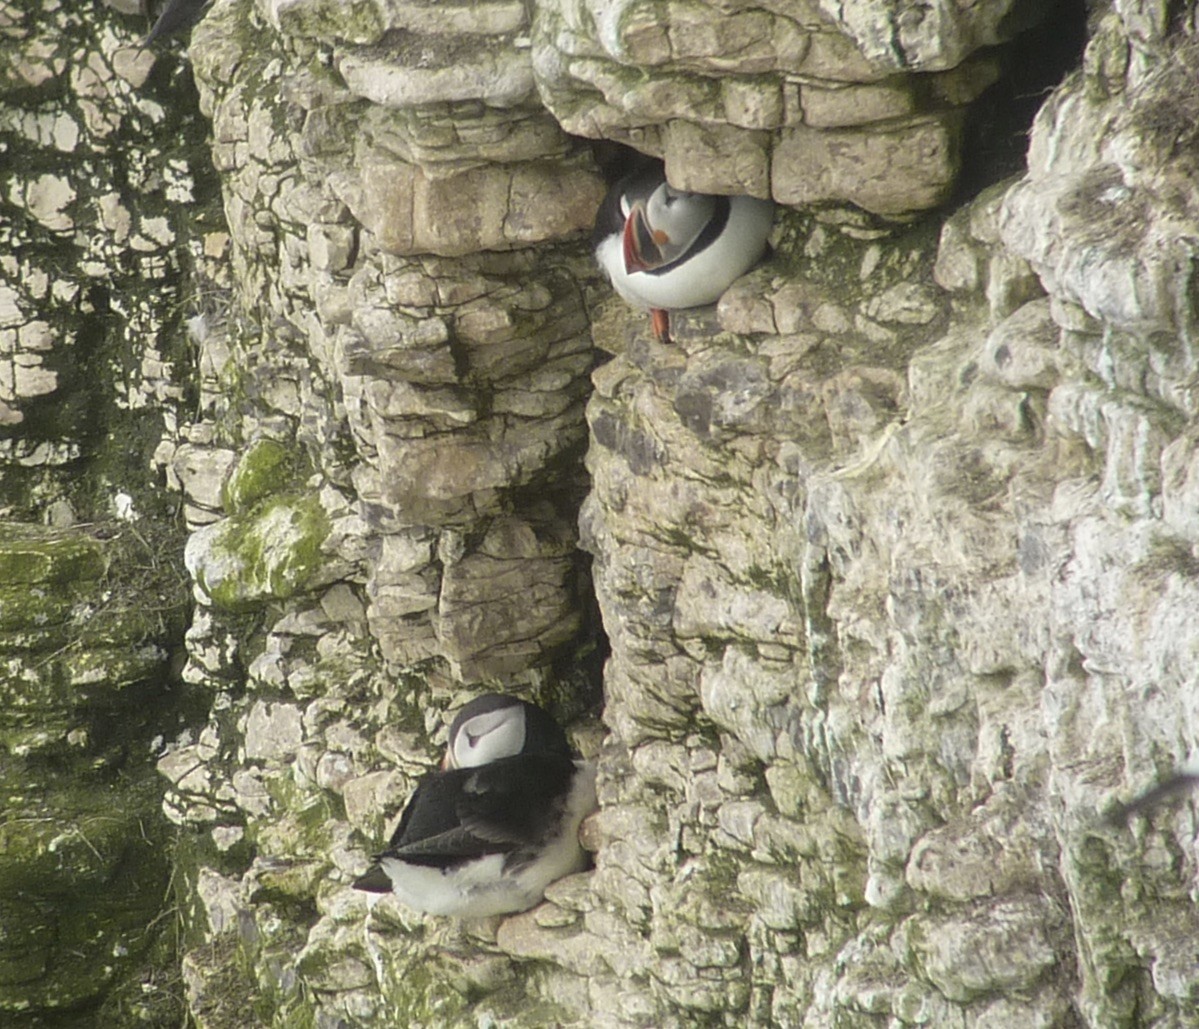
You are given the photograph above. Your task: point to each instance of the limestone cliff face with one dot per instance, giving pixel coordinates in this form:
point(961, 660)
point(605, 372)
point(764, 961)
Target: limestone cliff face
point(888, 559)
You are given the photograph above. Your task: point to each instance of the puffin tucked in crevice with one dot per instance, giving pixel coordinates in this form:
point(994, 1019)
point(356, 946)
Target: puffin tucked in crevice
point(499, 823)
point(667, 249)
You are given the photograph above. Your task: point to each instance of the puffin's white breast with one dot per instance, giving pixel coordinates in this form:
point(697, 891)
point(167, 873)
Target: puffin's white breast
point(483, 887)
point(452, 892)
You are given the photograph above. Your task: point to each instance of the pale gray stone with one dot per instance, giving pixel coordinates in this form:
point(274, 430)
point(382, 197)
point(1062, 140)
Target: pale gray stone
point(1022, 350)
point(427, 69)
point(838, 107)
point(962, 864)
point(460, 210)
point(1180, 486)
point(221, 897)
point(899, 592)
point(901, 168)
point(273, 731)
point(905, 303)
point(330, 246)
point(30, 378)
point(367, 796)
point(47, 198)
point(333, 771)
point(250, 793)
point(1010, 949)
point(201, 472)
point(940, 37)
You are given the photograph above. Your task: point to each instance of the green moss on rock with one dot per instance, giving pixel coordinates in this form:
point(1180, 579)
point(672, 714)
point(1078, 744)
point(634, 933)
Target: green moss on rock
point(84, 866)
point(269, 554)
point(267, 467)
point(355, 21)
point(34, 609)
point(109, 585)
point(30, 554)
point(113, 668)
point(226, 995)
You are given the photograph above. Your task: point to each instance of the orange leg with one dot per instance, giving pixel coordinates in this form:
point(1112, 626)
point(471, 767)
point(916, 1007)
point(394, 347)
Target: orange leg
point(661, 324)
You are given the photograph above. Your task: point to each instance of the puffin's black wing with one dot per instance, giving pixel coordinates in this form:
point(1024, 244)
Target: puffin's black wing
point(430, 831)
point(472, 812)
point(447, 849)
point(518, 800)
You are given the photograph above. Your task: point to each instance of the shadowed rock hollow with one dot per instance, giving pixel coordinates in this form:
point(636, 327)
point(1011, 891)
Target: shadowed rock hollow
point(873, 592)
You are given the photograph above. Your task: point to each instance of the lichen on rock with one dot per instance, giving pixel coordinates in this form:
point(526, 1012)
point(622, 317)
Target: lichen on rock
point(270, 552)
point(84, 631)
point(887, 558)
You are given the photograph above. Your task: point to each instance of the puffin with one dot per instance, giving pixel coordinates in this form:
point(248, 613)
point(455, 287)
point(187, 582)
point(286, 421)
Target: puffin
point(489, 831)
point(666, 249)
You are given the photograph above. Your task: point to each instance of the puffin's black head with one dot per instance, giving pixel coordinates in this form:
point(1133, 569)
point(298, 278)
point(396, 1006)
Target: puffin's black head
point(635, 186)
point(495, 726)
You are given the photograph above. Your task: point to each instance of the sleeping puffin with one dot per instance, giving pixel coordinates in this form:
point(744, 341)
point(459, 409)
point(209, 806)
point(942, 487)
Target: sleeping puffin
point(500, 822)
point(666, 249)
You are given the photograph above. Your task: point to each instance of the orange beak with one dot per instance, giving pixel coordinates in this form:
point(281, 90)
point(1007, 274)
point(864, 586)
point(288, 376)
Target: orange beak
point(642, 245)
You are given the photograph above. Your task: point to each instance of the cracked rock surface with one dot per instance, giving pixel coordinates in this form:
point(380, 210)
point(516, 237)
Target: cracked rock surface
point(873, 593)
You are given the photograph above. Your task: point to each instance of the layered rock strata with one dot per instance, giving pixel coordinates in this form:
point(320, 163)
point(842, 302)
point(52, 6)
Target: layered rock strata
point(844, 533)
point(807, 102)
point(892, 548)
point(832, 530)
point(390, 469)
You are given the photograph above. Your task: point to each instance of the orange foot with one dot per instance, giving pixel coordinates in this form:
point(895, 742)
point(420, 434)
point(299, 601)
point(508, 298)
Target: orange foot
point(661, 323)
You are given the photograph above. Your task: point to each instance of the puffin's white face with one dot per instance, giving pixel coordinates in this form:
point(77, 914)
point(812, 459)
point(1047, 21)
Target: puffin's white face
point(677, 218)
point(487, 737)
point(659, 230)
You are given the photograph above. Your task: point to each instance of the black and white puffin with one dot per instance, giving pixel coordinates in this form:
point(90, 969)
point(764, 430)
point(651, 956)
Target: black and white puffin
point(666, 249)
point(500, 822)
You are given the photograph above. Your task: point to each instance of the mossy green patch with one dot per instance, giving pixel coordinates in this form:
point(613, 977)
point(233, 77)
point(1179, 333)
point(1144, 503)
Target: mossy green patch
point(357, 21)
point(151, 996)
point(112, 585)
point(78, 652)
point(416, 992)
point(272, 553)
point(267, 467)
point(33, 608)
point(113, 668)
point(85, 867)
point(227, 995)
point(852, 269)
point(32, 554)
